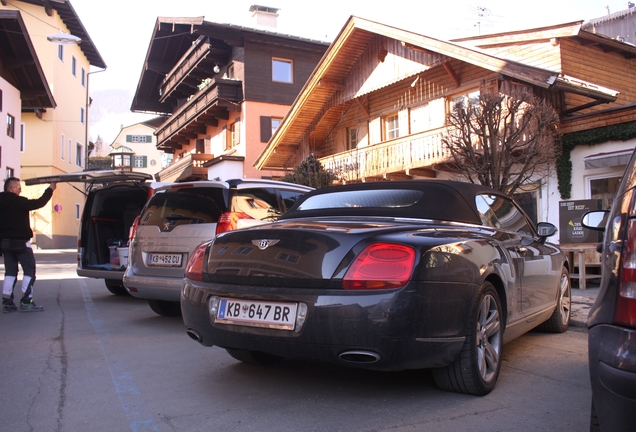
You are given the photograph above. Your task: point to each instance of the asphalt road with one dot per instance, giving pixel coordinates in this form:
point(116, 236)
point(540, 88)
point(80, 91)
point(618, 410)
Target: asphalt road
point(93, 361)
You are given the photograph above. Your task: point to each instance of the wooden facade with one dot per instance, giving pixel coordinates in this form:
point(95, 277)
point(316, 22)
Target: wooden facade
point(374, 77)
point(202, 74)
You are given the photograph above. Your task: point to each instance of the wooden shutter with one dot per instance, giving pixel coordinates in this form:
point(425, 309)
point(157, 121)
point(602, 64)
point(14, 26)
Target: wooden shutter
point(266, 128)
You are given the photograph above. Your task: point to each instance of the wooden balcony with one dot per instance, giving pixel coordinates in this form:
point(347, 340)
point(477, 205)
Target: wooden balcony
point(213, 102)
point(190, 167)
point(399, 158)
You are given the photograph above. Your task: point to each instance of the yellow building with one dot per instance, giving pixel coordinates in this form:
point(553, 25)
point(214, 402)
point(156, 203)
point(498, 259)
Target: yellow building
point(55, 139)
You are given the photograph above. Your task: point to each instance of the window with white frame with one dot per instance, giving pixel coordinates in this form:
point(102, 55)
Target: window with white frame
point(82, 115)
point(139, 138)
point(78, 211)
point(79, 154)
point(391, 126)
point(233, 135)
point(74, 66)
point(60, 52)
point(275, 123)
point(282, 70)
point(604, 188)
point(62, 146)
point(140, 161)
point(70, 151)
point(83, 77)
point(466, 99)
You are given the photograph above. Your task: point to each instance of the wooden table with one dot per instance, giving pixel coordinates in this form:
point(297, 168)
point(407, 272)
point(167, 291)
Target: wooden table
point(578, 251)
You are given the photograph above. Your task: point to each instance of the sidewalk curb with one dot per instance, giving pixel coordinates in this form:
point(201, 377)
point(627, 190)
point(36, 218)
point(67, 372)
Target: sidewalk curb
point(580, 308)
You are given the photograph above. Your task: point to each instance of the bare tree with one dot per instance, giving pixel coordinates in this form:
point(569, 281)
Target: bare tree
point(502, 141)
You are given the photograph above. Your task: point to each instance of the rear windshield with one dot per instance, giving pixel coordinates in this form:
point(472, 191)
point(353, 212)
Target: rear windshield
point(387, 198)
point(434, 201)
point(182, 206)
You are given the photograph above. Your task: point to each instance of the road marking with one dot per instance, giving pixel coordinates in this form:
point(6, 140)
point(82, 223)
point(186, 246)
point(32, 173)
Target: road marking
point(133, 404)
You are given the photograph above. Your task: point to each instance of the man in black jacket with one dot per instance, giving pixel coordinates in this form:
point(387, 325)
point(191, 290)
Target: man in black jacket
point(16, 234)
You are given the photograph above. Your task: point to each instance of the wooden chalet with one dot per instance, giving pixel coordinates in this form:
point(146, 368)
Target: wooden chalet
point(224, 88)
point(375, 107)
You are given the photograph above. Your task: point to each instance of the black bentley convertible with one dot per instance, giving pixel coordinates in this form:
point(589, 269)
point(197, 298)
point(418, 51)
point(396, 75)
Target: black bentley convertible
point(388, 276)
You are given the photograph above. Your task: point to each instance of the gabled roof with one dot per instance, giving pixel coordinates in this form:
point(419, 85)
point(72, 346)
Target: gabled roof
point(74, 25)
point(570, 30)
point(20, 64)
point(312, 104)
point(173, 37)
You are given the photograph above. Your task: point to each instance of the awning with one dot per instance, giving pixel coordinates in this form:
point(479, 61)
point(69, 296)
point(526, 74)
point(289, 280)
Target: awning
point(609, 159)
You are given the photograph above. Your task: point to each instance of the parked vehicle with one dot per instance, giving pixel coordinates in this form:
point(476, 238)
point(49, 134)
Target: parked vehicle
point(181, 216)
point(612, 319)
point(113, 200)
point(387, 276)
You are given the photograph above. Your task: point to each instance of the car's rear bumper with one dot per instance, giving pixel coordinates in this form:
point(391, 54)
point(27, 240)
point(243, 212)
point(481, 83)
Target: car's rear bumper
point(402, 329)
point(153, 288)
point(92, 272)
point(612, 359)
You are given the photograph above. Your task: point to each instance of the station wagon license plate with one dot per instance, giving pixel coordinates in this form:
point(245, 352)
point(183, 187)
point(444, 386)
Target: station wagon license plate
point(251, 313)
point(164, 260)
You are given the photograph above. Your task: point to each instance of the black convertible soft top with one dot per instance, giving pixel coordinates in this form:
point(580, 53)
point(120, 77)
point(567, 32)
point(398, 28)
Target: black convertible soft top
point(445, 200)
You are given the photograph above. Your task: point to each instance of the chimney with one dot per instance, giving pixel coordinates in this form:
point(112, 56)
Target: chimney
point(264, 16)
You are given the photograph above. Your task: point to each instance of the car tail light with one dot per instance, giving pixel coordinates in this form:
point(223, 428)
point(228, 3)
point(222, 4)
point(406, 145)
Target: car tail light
point(133, 229)
point(625, 312)
point(380, 266)
point(194, 269)
point(229, 220)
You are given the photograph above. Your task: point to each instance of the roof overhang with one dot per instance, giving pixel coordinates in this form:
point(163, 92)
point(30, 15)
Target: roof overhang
point(74, 25)
point(20, 65)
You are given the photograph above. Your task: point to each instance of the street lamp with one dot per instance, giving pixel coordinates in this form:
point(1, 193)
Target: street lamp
point(64, 39)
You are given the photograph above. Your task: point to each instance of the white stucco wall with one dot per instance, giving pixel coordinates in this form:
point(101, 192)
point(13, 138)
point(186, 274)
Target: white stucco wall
point(10, 147)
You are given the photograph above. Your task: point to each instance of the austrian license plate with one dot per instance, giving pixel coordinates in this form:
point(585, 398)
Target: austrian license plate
point(253, 313)
point(164, 260)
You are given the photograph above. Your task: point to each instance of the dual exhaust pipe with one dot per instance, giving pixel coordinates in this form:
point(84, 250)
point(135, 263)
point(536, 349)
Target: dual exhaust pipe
point(352, 356)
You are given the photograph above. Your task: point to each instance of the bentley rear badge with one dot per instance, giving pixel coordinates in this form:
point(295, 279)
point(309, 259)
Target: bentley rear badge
point(263, 244)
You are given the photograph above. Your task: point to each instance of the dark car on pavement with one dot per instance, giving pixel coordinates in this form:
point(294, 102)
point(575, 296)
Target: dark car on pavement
point(612, 319)
point(387, 276)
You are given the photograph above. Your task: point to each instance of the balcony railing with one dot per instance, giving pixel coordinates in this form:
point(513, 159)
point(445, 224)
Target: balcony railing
point(225, 95)
point(396, 156)
point(191, 165)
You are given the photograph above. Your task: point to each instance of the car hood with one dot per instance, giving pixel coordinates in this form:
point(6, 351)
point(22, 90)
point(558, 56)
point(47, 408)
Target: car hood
point(312, 253)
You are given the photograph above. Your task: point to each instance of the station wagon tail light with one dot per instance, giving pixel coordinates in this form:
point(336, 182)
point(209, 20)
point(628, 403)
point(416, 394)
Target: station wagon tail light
point(380, 266)
point(625, 312)
point(133, 229)
point(229, 220)
point(194, 269)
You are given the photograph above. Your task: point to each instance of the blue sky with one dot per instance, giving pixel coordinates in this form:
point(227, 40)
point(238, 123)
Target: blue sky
point(121, 30)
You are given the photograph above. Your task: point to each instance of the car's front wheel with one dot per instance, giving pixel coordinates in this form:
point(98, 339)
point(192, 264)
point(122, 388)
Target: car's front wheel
point(476, 369)
point(560, 319)
point(165, 308)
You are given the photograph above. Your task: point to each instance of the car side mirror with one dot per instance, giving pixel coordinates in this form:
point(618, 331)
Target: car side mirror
point(595, 220)
point(546, 229)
